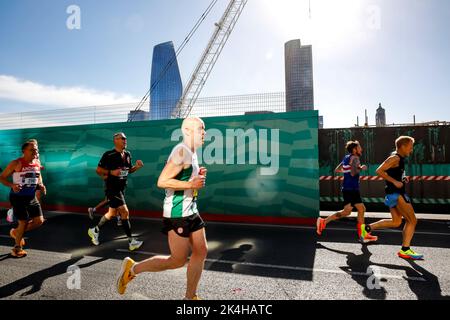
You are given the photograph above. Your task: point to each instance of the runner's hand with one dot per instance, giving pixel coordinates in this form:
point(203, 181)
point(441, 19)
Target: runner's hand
point(198, 182)
point(139, 164)
point(203, 171)
point(364, 167)
point(43, 189)
point(398, 184)
point(16, 188)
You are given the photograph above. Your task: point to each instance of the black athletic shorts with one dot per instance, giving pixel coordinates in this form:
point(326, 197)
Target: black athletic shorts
point(25, 207)
point(116, 198)
point(183, 226)
point(352, 197)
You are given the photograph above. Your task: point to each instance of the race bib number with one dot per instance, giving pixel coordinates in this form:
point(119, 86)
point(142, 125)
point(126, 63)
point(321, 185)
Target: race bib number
point(31, 181)
point(123, 173)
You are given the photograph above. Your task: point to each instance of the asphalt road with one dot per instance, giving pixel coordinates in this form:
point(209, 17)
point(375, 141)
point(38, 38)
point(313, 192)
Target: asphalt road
point(244, 262)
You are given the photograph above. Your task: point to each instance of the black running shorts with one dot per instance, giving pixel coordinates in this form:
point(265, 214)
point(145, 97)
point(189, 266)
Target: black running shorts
point(352, 197)
point(116, 198)
point(25, 207)
point(183, 226)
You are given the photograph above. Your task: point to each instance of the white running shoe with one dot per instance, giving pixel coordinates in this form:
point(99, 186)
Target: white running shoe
point(135, 244)
point(94, 236)
point(10, 216)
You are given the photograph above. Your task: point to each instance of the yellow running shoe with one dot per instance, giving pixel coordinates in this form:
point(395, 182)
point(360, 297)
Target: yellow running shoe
point(410, 254)
point(125, 275)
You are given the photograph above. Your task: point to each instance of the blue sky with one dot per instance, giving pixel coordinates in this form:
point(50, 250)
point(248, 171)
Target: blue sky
point(391, 51)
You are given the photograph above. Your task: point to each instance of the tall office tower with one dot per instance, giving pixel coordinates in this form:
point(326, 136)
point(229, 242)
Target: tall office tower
point(381, 116)
point(299, 76)
point(166, 85)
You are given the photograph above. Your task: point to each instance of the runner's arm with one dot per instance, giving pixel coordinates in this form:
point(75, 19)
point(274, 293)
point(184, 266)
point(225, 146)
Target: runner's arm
point(9, 170)
point(172, 168)
point(338, 168)
point(386, 165)
point(356, 166)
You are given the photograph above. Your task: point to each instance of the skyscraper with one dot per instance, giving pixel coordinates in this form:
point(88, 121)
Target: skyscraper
point(166, 85)
point(381, 116)
point(299, 76)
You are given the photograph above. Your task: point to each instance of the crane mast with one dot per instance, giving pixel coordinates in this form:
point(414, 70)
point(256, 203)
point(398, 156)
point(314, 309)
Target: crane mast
point(209, 57)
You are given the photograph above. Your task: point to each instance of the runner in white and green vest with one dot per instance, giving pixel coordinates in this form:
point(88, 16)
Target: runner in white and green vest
point(181, 178)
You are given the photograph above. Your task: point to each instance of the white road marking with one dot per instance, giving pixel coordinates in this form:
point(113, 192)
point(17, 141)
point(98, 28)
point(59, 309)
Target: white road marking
point(281, 267)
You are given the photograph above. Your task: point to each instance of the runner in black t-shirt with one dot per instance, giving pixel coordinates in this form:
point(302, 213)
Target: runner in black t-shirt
point(116, 164)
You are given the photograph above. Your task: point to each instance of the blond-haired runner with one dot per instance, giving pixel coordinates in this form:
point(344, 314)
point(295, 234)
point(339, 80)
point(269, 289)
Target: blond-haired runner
point(181, 178)
point(393, 171)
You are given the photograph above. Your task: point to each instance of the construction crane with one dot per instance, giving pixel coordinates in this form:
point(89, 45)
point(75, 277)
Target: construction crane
point(209, 58)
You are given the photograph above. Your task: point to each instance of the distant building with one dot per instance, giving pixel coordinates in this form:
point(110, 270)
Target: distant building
point(298, 76)
point(139, 115)
point(320, 122)
point(166, 86)
point(381, 117)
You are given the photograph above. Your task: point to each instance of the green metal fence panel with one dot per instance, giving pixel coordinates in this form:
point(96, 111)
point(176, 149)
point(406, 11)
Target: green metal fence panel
point(258, 165)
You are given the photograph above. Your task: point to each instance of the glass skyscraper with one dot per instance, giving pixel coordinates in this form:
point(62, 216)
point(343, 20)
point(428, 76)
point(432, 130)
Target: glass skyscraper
point(299, 76)
point(166, 85)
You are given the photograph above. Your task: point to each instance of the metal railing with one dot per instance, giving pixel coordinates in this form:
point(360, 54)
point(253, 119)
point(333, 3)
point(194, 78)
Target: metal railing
point(204, 107)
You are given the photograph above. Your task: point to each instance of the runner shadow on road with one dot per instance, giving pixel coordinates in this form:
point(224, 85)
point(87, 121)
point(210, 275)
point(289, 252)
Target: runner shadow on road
point(357, 266)
point(228, 256)
point(35, 280)
point(429, 290)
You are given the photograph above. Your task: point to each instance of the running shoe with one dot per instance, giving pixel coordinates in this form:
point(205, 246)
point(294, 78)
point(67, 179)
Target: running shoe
point(10, 216)
point(410, 255)
point(125, 276)
point(134, 244)
point(320, 225)
point(94, 236)
point(364, 236)
point(18, 252)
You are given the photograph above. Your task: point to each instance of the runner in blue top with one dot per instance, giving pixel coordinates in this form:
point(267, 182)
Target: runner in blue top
point(350, 167)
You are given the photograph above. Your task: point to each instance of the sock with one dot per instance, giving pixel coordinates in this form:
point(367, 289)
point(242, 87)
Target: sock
point(132, 270)
point(102, 221)
point(368, 228)
point(126, 225)
point(94, 210)
point(405, 248)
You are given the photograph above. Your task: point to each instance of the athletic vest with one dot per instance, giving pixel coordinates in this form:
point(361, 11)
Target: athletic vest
point(351, 183)
point(180, 204)
point(397, 174)
point(27, 177)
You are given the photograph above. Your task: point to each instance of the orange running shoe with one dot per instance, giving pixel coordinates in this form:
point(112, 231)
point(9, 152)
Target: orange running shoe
point(320, 224)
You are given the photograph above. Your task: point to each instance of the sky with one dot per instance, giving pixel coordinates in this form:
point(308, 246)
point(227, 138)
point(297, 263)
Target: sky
point(365, 52)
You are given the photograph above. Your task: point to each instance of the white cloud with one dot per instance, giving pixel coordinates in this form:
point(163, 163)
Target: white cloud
point(12, 88)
